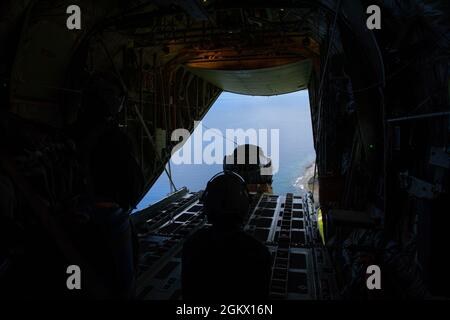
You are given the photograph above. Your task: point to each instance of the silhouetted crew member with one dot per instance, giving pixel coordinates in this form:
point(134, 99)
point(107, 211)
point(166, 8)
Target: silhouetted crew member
point(114, 183)
point(70, 203)
point(223, 262)
point(107, 239)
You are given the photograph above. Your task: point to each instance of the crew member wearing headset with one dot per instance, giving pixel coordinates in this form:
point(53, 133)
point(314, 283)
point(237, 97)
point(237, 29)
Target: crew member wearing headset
point(223, 262)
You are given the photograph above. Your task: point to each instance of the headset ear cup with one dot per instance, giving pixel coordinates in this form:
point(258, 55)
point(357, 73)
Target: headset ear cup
point(246, 203)
point(204, 194)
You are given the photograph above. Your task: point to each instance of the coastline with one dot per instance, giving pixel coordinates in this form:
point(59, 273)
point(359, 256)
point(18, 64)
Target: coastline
point(308, 182)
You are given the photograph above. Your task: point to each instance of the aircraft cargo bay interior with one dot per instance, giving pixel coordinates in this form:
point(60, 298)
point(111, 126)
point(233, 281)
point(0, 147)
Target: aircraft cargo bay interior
point(96, 98)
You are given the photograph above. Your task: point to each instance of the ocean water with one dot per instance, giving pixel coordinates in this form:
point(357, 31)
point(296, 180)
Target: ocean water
point(289, 113)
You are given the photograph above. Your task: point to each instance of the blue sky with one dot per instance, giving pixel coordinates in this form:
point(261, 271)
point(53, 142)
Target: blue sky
point(289, 113)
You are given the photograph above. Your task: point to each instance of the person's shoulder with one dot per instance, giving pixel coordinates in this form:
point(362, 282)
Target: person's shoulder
point(257, 249)
point(255, 243)
point(200, 235)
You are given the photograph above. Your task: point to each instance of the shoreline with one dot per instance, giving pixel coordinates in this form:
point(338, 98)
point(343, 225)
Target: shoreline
point(308, 182)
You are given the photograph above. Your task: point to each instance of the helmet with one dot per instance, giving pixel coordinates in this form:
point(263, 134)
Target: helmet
point(226, 199)
point(104, 96)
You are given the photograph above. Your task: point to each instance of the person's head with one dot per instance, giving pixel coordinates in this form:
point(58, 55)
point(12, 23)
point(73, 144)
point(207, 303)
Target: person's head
point(226, 200)
point(103, 96)
point(115, 173)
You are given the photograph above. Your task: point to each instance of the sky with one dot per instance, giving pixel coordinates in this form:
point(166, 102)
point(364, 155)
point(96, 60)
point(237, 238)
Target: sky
point(288, 113)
